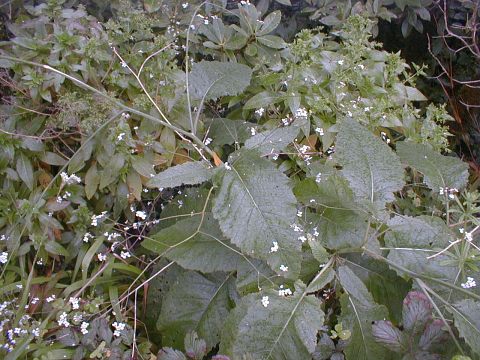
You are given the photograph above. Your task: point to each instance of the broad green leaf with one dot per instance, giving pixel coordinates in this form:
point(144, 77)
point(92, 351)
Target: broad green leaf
point(252, 275)
point(25, 170)
point(272, 141)
point(212, 79)
point(170, 354)
point(226, 131)
point(284, 2)
point(142, 166)
point(285, 329)
point(197, 303)
point(439, 171)
point(54, 247)
point(336, 219)
point(272, 41)
point(264, 99)
point(53, 159)
point(417, 311)
point(270, 23)
point(411, 240)
point(92, 180)
point(389, 336)
point(370, 166)
point(359, 311)
point(134, 183)
point(196, 244)
point(255, 207)
point(467, 320)
point(189, 173)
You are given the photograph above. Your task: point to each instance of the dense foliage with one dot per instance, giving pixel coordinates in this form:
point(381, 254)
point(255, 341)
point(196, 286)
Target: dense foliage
point(179, 181)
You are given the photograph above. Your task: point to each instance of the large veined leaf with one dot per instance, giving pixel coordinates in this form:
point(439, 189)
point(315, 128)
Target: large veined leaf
point(412, 240)
point(195, 303)
point(273, 141)
point(439, 171)
point(467, 320)
point(212, 79)
point(255, 208)
point(371, 167)
point(286, 328)
point(189, 173)
point(226, 131)
point(338, 223)
point(25, 170)
point(196, 243)
point(359, 310)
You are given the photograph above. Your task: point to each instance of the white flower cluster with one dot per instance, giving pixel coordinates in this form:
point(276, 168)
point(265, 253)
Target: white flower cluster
point(274, 248)
point(283, 268)
point(260, 112)
point(83, 328)
point(448, 191)
point(63, 320)
point(265, 301)
point(4, 257)
point(87, 237)
point(301, 113)
point(141, 214)
point(68, 180)
point(119, 327)
point(74, 302)
point(469, 283)
point(319, 131)
point(284, 291)
point(95, 218)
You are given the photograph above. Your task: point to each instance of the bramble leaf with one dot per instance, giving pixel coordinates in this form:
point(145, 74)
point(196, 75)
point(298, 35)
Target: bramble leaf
point(467, 320)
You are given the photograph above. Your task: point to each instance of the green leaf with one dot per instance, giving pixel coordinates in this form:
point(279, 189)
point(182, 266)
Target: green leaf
point(53, 159)
point(270, 23)
point(212, 79)
point(272, 41)
point(284, 2)
point(189, 173)
point(196, 244)
point(142, 166)
point(412, 240)
point(439, 171)
point(255, 207)
point(170, 354)
point(285, 329)
point(197, 303)
point(263, 99)
point(272, 141)
point(226, 131)
point(389, 336)
point(371, 167)
point(54, 247)
point(25, 170)
point(467, 320)
point(338, 222)
point(359, 310)
point(92, 180)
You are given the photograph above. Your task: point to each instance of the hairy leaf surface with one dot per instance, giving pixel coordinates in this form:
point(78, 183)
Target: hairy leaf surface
point(255, 208)
point(370, 166)
point(198, 303)
point(212, 79)
point(439, 171)
point(467, 320)
point(359, 310)
point(285, 329)
point(189, 173)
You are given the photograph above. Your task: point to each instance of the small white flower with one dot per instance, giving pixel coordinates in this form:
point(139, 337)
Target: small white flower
point(299, 213)
point(34, 300)
point(77, 318)
point(184, 5)
point(208, 141)
point(4, 257)
point(87, 237)
point(124, 64)
point(361, 66)
point(63, 321)
point(340, 62)
point(141, 214)
point(283, 268)
point(120, 136)
point(284, 292)
point(227, 166)
point(260, 111)
point(468, 236)
point(320, 131)
point(75, 303)
point(265, 301)
point(83, 328)
point(125, 254)
point(469, 283)
point(274, 248)
point(118, 328)
point(349, 113)
point(302, 238)
point(253, 131)
point(102, 257)
point(296, 228)
point(318, 178)
point(301, 113)
point(206, 21)
point(304, 149)
point(441, 191)
point(51, 298)
point(36, 332)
